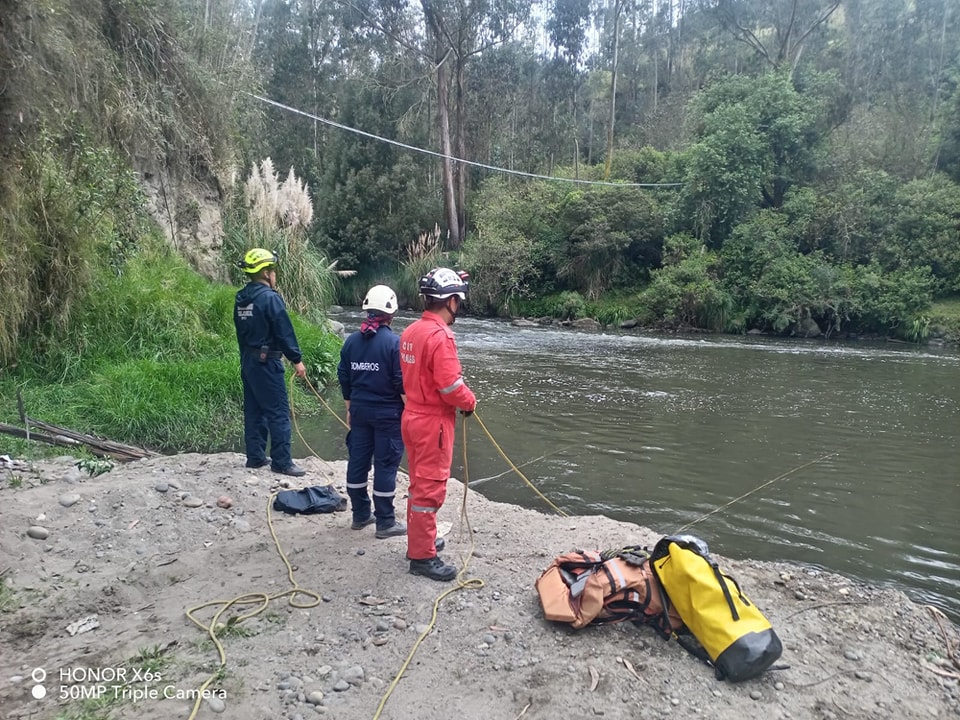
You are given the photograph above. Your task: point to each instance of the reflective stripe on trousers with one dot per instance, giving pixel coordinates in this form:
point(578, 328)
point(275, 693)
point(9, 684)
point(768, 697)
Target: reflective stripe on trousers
point(426, 497)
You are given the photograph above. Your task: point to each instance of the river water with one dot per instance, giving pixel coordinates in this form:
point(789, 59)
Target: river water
point(847, 454)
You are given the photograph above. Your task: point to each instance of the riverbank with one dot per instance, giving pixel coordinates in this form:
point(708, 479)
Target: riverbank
point(939, 337)
point(131, 550)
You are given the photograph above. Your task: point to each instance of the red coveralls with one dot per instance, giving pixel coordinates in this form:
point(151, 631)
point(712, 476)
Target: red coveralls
point(434, 388)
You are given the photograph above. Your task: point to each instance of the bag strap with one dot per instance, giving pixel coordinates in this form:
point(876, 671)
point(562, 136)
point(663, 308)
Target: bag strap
point(689, 643)
point(726, 590)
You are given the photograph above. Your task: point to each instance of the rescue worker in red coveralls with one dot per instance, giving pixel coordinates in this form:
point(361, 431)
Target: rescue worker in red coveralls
point(434, 387)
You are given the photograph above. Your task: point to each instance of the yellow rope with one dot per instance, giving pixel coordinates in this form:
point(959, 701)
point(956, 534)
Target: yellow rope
point(460, 583)
point(262, 600)
point(484, 427)
point(751, 492)
point(332, 412)
point(325, 403)
point(296, 425)
point(516, 469)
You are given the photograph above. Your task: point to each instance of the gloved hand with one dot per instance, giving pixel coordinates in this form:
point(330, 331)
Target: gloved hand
point(468, 413)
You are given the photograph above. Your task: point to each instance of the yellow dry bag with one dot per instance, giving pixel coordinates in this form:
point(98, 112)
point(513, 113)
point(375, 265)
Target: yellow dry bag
point(737, 638)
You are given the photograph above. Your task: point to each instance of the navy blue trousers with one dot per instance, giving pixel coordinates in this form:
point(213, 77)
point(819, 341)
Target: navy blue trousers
point(266, 411)
point(374, 435)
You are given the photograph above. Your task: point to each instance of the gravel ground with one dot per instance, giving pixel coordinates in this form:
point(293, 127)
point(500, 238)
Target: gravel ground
point(99, 573)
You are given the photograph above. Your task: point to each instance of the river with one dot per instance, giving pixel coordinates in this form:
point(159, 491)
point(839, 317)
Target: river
point(839, 456)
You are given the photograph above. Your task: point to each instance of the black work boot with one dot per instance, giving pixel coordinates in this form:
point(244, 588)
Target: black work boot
point(433, 568)
point(292, 470)
point(361, 524)
point(395, 530)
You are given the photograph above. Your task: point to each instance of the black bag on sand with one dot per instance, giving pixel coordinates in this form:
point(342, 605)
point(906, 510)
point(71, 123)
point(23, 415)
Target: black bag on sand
point(310, 500)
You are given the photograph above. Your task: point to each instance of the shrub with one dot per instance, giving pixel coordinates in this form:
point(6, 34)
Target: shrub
point(569, 306)
point(688, 293)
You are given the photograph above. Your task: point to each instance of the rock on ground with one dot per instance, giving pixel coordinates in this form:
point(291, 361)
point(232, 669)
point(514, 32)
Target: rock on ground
point(131, 552)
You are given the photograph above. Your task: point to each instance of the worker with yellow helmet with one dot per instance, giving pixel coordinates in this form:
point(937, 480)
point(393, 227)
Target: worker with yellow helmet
point(265, 336)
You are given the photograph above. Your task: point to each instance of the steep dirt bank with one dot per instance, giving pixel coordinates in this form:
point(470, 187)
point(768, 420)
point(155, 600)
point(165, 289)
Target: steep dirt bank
point(128, 548)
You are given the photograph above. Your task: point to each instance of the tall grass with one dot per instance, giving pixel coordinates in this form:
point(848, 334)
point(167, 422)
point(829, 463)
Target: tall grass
point(150, 358)
point(275, 215)
point(68, 207)
point(422, 255)
point(173, 405)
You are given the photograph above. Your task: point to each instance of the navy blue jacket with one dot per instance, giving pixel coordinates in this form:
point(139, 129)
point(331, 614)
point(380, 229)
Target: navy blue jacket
point(369, 369)
point(260, 317)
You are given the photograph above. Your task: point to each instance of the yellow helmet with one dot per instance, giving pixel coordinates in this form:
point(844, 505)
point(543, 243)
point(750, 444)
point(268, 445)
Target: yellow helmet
point(256, 260)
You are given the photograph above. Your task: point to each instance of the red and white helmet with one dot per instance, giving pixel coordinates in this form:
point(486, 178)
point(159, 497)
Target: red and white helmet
point(441, 283)
point(381, 299)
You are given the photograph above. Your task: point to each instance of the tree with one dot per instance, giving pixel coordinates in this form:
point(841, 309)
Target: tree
point(925, 231)
point(617, 9)
point(755, 139)
point(777, 30)
point(567, 26)
point(457, 34)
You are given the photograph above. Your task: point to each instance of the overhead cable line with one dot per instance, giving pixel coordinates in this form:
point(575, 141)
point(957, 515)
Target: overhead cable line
point(473, 163)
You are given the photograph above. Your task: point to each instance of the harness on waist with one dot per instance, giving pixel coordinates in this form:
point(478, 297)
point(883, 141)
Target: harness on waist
point(263, 353)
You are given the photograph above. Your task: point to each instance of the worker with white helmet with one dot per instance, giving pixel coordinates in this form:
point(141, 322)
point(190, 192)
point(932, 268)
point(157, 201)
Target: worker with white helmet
point(434, 387)
point(372, 387)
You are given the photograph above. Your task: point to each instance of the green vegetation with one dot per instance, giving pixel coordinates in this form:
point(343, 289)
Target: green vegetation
point(762, 234)
point(945, 317)
point(611, 309)
point(149, 664)
point(149, 357)
point(233, 628)
point(816, 184)
point(70, 212)
point(8, 597)
point(95, 466)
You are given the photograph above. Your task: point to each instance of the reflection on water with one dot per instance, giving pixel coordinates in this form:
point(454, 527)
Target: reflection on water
point(662, 431)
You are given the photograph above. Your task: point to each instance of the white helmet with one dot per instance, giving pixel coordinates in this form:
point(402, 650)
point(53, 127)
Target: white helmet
point(441, 283)
point(382, 299)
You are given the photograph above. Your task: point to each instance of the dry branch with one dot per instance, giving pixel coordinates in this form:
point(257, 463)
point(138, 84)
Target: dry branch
point(56, 435)
point(98, 446)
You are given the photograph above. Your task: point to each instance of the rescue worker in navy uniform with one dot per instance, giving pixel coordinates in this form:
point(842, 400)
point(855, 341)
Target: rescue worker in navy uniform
point(372, 387)
point(265, 335)
point(434, 388)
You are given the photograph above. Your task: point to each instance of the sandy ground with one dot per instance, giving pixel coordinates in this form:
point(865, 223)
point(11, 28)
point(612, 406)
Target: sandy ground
point(126, 553)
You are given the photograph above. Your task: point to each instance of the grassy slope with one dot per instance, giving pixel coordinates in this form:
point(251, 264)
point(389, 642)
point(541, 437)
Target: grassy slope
point(149, 358)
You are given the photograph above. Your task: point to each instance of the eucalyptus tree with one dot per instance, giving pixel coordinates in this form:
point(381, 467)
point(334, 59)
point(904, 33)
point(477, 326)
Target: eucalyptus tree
point(448, 36)
point(567, 26)
point(778, 31)
point(900, 61)
point(616, 11)
point(304, 52)
point(948, 156)
point(456, 34)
